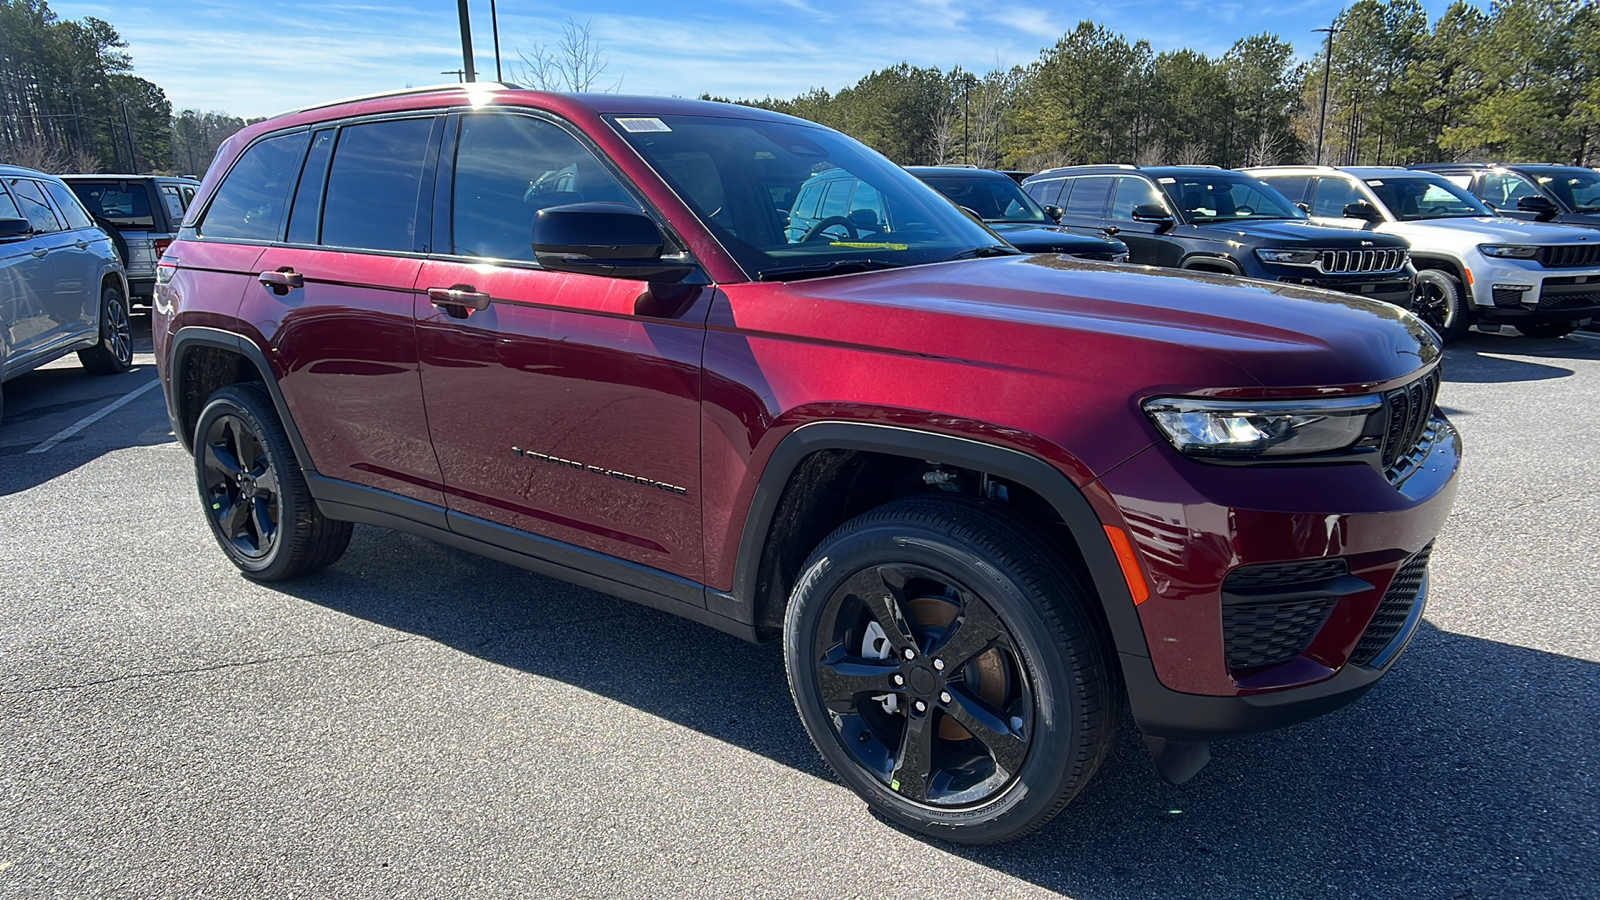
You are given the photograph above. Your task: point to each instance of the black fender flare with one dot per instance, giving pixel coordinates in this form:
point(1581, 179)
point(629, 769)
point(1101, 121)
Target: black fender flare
point(1021, 468)
point(187, 339)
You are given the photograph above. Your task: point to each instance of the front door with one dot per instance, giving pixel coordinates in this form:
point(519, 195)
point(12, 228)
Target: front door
point(1145, 242)
point(562, 406)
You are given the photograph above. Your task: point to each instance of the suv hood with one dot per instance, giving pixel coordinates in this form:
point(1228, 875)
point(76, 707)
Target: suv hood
point(1296, 233)
point(1048, 239)
point(1492, 229)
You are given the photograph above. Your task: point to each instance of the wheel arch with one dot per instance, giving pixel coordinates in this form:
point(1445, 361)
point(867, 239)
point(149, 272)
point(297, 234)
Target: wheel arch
point(808, 462)
point(1208, 262)
point(203, 359)
point(1453, 267)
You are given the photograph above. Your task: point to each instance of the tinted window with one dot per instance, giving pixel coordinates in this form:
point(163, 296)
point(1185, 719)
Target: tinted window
point(29, 195)
point(508, 167)
point(1504, 189)
point(174, 201)
point(1333, 195)
point(249, 202)
point(67, 205)
point(1578, 188)
point(8, 209)
point(1292, 186)
point(1089, 197)
point(374, 184)
point(1046, 192)
point(810, 199)
point(1133, 192)
point(125, 203)
point(993, 199)
point(837, 200)
point(1226, 197)
point(308, 195)
point(866, 206)
point(1412, 197)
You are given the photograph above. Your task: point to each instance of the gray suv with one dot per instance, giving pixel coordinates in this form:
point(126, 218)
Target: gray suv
point(146, 211)
point(62, 287)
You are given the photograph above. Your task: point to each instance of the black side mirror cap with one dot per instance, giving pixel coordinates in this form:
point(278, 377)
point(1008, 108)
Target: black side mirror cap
point(1152, 212)
point(15, 229)
point(613, 240)
point(1054, 212)
point(1363, 211)
point(1537, 204)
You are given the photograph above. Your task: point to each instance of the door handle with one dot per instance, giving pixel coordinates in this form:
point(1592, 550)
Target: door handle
point(460, 297)
point(82, 245)
point(39, 252)
point(282, 280)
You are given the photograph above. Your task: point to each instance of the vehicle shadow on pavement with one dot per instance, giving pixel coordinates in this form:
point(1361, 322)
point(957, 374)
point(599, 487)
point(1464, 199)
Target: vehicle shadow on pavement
point(1482, 358)
point(1468, 773)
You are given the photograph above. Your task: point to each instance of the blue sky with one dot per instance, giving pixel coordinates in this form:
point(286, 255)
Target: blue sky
point(260, 58)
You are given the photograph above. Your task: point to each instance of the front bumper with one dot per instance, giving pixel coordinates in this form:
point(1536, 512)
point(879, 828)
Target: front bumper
point(1395, 289)
point(1526, 293)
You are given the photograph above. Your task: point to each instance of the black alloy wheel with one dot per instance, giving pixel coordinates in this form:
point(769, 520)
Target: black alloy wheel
point(256, 499)
point(1440, 303)
point(947, 667)
point(114, 354)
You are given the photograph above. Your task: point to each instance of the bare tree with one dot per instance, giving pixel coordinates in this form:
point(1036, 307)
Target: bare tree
point(1266, 150)
point(83, 162)
point(573, 63)
point(34, 153)
point(1191, 154)
point(942, 136)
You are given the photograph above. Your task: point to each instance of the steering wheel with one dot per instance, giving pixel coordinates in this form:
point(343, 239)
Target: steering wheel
point(816, 230)
point(1437, 210)
point(1244, 210)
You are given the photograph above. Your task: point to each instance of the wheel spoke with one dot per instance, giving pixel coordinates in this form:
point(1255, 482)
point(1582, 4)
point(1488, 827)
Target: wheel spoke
point(976, 631)
point(266, 481)
point(1006, 746)
point(913, 768)
point(261, 519)
point(874, 591)
point(842, 680)
point(233, 517)
point(220, 459)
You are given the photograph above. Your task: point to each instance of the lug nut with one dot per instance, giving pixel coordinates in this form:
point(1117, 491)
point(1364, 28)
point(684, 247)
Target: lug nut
point(910, 653)
point(919, 706)
point(899, 680)
point(939, 664)
point(944, 696)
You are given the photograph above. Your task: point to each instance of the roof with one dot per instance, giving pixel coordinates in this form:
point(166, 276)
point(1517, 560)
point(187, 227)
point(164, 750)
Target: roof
point(21, 170)
point(956, 172)
point(115, 176)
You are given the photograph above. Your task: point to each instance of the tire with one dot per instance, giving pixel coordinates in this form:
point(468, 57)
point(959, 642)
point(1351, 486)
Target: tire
point(255, 498)
point(1441, 303)
point(1011, 727)
point(1548, 329)
point(114, 354)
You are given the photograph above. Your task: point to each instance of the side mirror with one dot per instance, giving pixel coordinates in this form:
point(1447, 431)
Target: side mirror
point(1539, 205)
point(613, 240)
point(1154, 213)
point(1364, 211)
point(1304, 207)
point(15, 229)
point(1054, 212)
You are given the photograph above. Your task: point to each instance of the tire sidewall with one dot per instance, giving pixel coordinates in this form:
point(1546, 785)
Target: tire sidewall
point(1033, 793)
point(1455, 302)
point(112, 298)
point(240, 402)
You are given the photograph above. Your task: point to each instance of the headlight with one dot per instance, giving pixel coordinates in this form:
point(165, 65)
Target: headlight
point(1508, 251)
point(1290, 257)
point(1252, 428)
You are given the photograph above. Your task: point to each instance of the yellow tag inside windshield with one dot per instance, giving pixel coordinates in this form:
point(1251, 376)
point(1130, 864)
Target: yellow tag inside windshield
point(863, 245)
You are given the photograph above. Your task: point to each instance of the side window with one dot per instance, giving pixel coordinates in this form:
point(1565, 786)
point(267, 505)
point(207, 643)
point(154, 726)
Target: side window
point(508, 167)
point(249, 202)
point(8, 208)
point(1504, 189)
point(308, 195)
point(1046, 192)
point(174, 201)
point(810, 198)
point(866, 207)
point(374, 184)
point(1333, 195)
point(1291, 186)
point(837, 201)
point(1133, 192)
point(67, 205)
point(1089, 197)
point(35, 208)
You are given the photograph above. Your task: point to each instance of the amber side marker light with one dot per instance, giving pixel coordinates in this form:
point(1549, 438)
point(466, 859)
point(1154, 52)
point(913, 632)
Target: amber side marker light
point(1129, 563)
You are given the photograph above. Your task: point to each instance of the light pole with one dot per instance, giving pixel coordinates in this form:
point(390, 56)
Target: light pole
point(1327, 67)
point(494, 21)
point(466, 42)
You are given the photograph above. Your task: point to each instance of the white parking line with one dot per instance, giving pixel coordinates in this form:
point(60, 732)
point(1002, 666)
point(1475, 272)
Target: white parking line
point(95, 416)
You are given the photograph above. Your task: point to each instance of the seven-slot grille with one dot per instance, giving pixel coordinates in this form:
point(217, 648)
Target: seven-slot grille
point(1569, 256)
point(1404, 591)
point(1352, 262)
point(1409, 409)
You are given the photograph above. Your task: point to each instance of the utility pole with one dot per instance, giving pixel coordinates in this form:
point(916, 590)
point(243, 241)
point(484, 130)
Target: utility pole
point(460, 74)
point(466, 41)
point(127, 128)
point(966, 116)
point(1327, 68)
point(494, 22)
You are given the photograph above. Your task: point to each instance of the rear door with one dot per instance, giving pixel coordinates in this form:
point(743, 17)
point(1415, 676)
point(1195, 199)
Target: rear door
point(81, 261)
point(1084, 209)
point(46, 314)
point(22, 272)
point(562, 406)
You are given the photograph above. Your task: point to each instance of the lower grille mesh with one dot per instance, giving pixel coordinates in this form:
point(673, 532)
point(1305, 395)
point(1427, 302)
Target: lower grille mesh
point(1270, 634)
point(1392, 613)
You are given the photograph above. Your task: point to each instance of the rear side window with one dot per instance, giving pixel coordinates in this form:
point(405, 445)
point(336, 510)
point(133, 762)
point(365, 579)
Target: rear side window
point(374, 185)
point(68, 206)
point(303, 215)
point(249, 203)
point(29, 195)
point(8, 209)
point(174, 201)
point(508, 167)
point(125, 203)
point(1046, 192)
point(1088, 197)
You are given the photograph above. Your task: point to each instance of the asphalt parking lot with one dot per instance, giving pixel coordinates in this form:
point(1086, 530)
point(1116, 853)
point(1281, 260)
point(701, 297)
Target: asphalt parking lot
point(416, 722)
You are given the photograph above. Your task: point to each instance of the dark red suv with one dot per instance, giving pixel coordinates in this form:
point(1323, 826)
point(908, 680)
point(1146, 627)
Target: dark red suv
point(986, 499)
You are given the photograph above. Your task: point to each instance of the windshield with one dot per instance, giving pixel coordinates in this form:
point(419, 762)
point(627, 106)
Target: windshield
point(1577, 188)
point(1226, 197)
point(1412, 198)
point(788, 199)
point(993, 199)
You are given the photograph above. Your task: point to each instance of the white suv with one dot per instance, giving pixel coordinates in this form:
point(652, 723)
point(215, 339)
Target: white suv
point(1473, 265)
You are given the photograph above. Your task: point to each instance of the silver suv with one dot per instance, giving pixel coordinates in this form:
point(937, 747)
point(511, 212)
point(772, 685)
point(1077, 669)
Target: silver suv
point(62, 287)
point(146, 211)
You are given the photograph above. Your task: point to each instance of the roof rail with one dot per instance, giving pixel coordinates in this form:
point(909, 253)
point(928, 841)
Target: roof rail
point(955, 166)
point(464, 87)
point(1088, 166)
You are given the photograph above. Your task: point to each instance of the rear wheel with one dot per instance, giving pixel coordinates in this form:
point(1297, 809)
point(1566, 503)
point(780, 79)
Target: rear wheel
point(1441, 303)
point(114, 354)
point(256, 500)
point(946, 665)
point(1548, 329)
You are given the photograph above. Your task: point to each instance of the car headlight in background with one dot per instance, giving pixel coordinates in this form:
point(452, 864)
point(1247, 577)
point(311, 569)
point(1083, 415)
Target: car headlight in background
point(1255, 428)
point(1290, 257)
point(1508, 251)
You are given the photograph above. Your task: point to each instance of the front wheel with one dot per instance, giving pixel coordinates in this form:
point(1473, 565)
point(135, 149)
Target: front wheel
point(114, 354)
point(948, 667)
point(256, 500)
point(1441, 302)
point(1548, 329)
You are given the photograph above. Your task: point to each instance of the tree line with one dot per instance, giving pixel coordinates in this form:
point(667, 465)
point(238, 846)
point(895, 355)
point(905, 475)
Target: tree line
point(1516, 83)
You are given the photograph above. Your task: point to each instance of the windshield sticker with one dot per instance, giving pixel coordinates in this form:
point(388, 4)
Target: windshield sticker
point(1375, 183)
point(1167, 180)
point(642, 126)
point(863, 245)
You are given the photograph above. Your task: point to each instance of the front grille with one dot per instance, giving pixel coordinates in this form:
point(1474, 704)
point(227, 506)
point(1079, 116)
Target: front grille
point(1407, 433)
point(1355, 262)
point(1567, 301)
point(1283, 574)
point(1398, 601)
point(1270, 634)
point(1569, 256)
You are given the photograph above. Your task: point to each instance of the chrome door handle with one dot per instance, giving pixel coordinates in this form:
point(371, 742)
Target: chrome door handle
point(282, 280)
point(463, 296)
point(82, 245)
point(39, 252)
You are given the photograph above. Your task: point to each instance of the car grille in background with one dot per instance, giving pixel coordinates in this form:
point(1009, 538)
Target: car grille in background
point(1398, 601)
point(1351, 262)
point(1268, 633)
point(1408, 434)
point(1567, 256)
